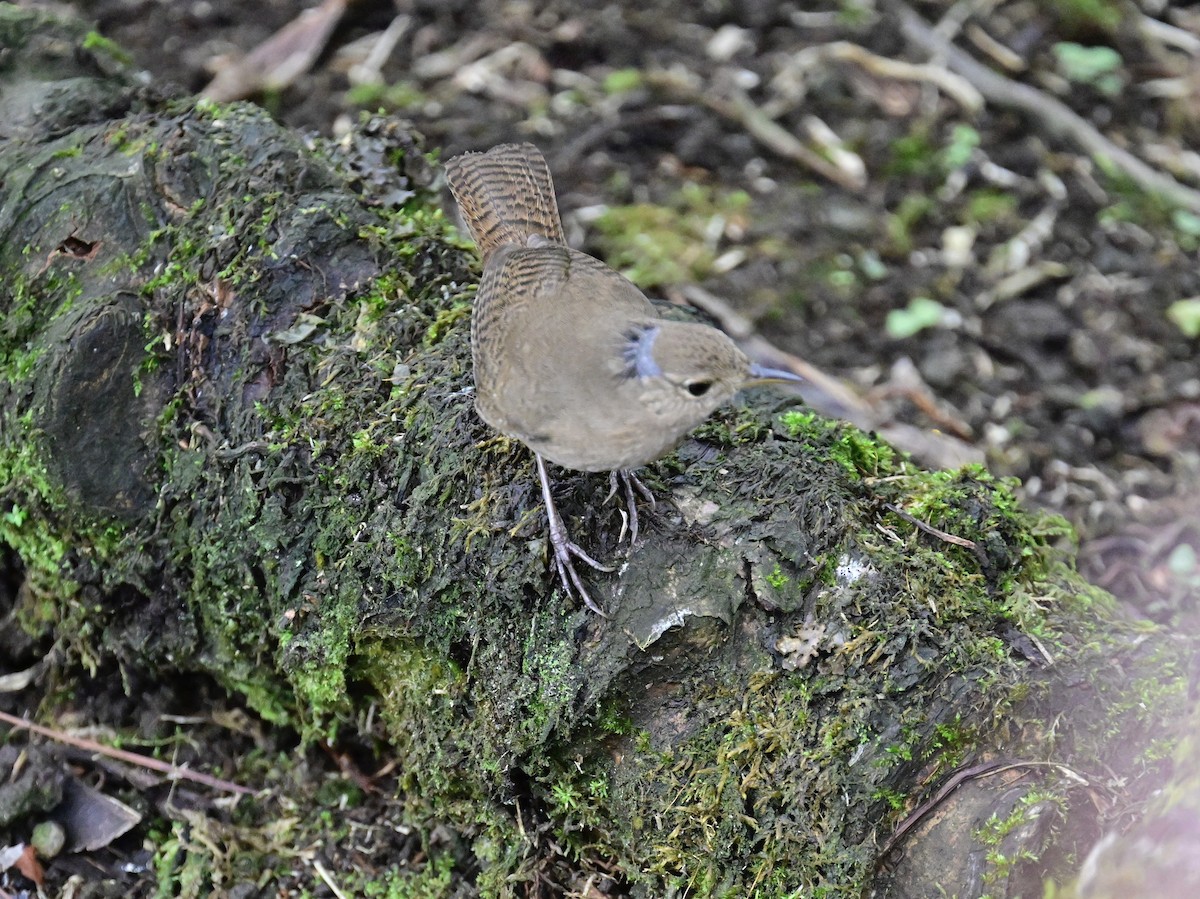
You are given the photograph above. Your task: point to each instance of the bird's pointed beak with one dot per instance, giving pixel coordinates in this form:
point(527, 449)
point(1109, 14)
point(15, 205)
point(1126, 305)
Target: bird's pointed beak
point(760, 374)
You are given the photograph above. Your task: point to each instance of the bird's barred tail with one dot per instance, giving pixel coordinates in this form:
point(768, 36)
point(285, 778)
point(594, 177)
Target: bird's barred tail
point(506, 196)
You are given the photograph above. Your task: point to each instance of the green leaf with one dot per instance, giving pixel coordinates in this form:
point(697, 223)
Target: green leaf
point(1186, 316)
point(622, 81)
point(921, 313)
point(1098, 66)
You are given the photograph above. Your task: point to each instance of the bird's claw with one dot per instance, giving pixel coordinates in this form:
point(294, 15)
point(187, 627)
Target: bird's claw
point(631, 482)
point(566, 551)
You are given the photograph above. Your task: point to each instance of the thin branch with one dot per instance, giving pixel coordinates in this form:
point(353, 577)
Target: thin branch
point(326, 876)
point(975, 548)
point(955, 86)
point(1054, 116)
point(739, 108)
point(132, 758)
point(983, 770)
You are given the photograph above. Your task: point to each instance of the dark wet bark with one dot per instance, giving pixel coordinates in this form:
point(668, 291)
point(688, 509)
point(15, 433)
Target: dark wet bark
point(238, 438)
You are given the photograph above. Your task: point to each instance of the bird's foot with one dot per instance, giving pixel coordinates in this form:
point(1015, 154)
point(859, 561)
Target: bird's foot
point(631, 483)
point(566, 551)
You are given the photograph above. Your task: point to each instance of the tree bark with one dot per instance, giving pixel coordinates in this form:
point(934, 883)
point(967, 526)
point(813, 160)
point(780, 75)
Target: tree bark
point(238, 437)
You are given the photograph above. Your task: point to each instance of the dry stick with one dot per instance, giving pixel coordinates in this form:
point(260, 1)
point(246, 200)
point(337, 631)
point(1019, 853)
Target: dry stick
point(280, 59)
point(1054, 115)
point(956, 86)
point(738, 107)
point(976, 550)
point(326, 876)
point(981, 770)
point(133, 758)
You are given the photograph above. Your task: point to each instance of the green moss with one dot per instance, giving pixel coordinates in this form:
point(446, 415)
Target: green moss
point(913, 153)
point(396, 95)
point(446, 319)
point(389, 557)
point(988, 206)
point(433, 882)
point(858, 453)
point(911, 212)
point(777, 578)
point(993, 834)
point(719, 790)
point(33, 506)
point(672, 243)
point(722, 814)
point(96, 43)
point(1088, 15)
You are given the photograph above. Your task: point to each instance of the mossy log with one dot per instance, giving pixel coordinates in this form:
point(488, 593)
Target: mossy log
point(238, 438)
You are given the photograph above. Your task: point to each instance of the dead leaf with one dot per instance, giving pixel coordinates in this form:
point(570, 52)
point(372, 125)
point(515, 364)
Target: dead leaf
point(281, 58)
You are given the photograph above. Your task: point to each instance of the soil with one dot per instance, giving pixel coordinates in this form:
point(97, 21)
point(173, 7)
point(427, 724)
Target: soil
point(1050, 349)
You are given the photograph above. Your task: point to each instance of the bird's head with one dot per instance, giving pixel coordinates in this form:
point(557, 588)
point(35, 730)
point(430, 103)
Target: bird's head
point(687, 370)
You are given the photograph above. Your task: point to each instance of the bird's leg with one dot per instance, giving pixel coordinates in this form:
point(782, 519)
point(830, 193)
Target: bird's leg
point(564, 549)
point(631, 482)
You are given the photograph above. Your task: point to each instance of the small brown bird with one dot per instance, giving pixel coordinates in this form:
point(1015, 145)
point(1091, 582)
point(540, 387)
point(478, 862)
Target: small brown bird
point(570, 358)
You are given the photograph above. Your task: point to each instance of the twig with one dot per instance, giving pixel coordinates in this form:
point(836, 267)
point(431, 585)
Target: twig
point(133, 758)
point(1055, 116)
point(996, 51)
point(741, 109)
point(1169, 34)
point(956, 16)
point(328, 878)
point(955, 86)
point(975, 548)
point(905, 381)
point(369, 71)
point(984, 770)
point(280, 59)
point(19, 680)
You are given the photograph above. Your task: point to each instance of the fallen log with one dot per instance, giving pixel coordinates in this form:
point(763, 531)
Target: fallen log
point(237, 438)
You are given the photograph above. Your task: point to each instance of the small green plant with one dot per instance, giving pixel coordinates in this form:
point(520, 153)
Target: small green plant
point(996, 830)
point(95, 42)
point(921, 313)
point(1185, 314)
point(911, 211)
point(777, 578)
point(1099, 67)
point(988, 205)
point(622, 81)
point(1187, 229)
point(565, 796)
point(399, 95)
point(895, 800)
point(963, 141)
point(918, 153)
point(16, 516)
point(1088, 15)
point(672, 243)
point(911, 153)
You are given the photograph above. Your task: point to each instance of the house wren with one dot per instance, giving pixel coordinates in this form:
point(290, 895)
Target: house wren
point(570, 358)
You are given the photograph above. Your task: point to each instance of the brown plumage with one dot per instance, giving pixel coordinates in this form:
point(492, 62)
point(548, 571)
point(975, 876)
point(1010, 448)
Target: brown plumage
point(570, 358)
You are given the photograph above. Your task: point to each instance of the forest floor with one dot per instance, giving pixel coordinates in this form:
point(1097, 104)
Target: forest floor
point(971, 258)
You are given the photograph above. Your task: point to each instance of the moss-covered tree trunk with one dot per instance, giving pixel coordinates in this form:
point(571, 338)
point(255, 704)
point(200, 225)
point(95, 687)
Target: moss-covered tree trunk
point(238, 437)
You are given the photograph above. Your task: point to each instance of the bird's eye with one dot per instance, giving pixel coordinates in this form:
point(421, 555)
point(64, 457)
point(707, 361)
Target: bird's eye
point(698, 388)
